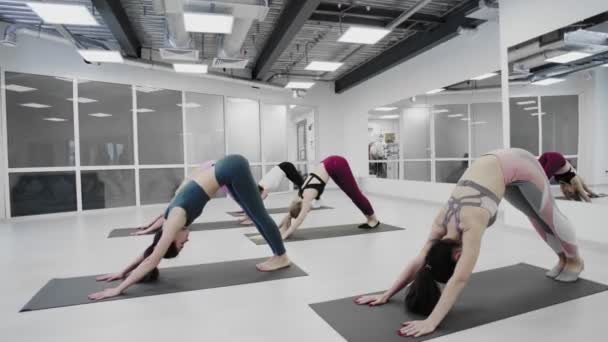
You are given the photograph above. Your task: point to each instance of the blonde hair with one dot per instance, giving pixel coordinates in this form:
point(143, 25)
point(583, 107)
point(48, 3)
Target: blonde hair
point(295, 208)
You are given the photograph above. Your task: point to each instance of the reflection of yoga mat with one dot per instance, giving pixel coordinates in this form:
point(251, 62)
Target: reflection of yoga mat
point(326, 232)
point(490, 296)
point(598, 196)
point(74, 291)
point(283, 210)
point(123, 232)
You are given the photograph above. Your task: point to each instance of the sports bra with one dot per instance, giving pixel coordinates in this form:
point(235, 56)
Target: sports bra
point(485, 199)
point(565, 177)
point(320, 187)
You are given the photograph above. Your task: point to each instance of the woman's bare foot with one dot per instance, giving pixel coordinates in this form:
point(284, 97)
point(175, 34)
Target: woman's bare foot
point(572, 269)
point(274, 263)
point(557, 269)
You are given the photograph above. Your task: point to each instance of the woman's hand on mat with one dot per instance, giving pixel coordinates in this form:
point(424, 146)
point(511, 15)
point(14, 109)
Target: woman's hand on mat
point(372, 300)
point(140, 232)
point(110, 277)
point(107, 293)
point(416, 328)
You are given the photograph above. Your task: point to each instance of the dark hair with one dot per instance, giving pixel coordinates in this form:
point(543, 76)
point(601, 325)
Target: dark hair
point(423, 294)
point(172, 252)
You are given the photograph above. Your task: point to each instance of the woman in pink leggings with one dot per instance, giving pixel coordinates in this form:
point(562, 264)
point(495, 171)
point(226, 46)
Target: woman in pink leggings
point(444, 265)
point(336, 168)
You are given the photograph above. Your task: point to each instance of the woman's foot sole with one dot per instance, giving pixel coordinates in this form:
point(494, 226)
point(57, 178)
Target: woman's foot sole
point(273, 264)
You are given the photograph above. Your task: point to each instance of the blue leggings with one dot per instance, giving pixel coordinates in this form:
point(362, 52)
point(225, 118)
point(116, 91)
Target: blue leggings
point(233, 171)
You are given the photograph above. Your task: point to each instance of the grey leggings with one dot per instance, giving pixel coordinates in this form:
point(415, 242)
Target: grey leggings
point(233, 171)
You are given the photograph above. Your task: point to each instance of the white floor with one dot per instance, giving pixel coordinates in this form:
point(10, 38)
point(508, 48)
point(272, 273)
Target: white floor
point(34, 250)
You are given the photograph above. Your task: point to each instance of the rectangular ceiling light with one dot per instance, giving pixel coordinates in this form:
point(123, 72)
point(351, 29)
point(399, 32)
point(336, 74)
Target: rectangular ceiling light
point(71, 80)
point(82, 100)
point(484, 76)
point(522, 103)
point(100, 115)
point(146, 89)
point(549, 81)
point(363, 35)
point(63, 14)
point(455, 115)
point(101, 56)
point(568, 57)
point(54, 119)
point(35, 105)
point(385, 109)
point(189, 105)
point(191, 68)
point(208, 22)
point(299, 85)
point(389, 116)
point(530, 108)
point(144, 110)
point(292, 106)
point(439, 111)
point(536, 114)
point(435, 91)
point(18, 88)
point(465, 119)
point(479, 122)
point(323, 66)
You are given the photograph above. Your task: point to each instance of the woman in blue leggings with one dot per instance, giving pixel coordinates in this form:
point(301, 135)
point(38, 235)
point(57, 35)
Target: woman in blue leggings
point(234, 173)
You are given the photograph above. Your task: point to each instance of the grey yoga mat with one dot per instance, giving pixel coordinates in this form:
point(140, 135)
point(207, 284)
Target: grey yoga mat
point(124, 232)
point(74, 291)
point(282, 210)
point(327, 232)
point(490, 296)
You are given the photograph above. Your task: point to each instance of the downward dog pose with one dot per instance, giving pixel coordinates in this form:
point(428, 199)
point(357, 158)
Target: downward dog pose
point(336, 168)
point(233, 172)
point(572, 185)
point(449, 256)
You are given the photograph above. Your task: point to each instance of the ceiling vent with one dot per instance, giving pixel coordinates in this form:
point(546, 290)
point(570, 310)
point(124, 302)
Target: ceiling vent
point(230, 63)
point(185, 55)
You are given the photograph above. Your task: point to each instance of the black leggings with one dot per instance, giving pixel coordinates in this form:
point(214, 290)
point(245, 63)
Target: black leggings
point(292, 173)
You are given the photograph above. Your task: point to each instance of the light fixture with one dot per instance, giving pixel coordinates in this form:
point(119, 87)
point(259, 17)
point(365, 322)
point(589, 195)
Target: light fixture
point(484, 76)
point(455, 115)
point(439, 111)
point(54, 119)
point(465, 119)
point(522, 103)
point(292, 106)
point(101, 56)
point(189, 105)
point(71, 80)
point(536, 114)
point(323, 66)
point(385, 109)
point(479, 122)
point(208, 22)
point(144, 110)
point(18, 88)
point(389, 116)
point(530, 108)
point(435, 91)
point(63, 14)
point(363, 35)
point(548, 81)
point(299, 85)
point(568, 57)
point(34, 105)
point(191, 68)
point(147, 89)
point(82, 100)
point(100, 115)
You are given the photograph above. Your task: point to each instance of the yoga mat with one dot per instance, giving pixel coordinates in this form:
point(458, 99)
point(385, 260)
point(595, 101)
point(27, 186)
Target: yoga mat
point(124, 232)
point(282, 210)
point(61, 292)
point(326, 232)
point(490, 296)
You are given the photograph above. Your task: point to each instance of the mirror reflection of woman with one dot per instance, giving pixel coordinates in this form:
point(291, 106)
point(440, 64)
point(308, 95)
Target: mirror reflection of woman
point(446, 261)
point(571, 183)
point(337, 169)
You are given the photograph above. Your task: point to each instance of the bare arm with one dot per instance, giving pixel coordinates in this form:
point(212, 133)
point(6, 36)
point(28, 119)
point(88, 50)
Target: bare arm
point(306, 207)
point(123, 273)
point(152, 227)
point(580, 190)
point(587, 189)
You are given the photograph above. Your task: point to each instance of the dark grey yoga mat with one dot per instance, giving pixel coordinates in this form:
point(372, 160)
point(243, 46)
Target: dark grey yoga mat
point(124, 232)
point(326, 232)
point(74, 291)
point(282, 210)
point(490, 296)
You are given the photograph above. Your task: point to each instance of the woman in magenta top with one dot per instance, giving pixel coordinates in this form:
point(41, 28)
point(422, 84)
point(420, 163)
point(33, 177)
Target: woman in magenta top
point(572, 185)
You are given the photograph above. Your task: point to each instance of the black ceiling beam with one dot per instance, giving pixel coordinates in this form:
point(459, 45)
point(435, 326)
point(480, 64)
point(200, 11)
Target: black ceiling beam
point(410, 47)
point(376, 13)
point(116, 19)
point(334, 17)
point(293, 17)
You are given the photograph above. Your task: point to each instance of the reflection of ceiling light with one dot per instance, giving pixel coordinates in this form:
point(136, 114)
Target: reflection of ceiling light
point(191, 68)
point(439, 111)
point(435, 91)
point(530, 108)
point(35, 105)
point(100, 115)
point(18, 88)
point(323, 66)
point(522, 103)
point(536, 114)
point(189, 105)
point(465, 119)
point(54, 119)
point(389, 116)
point(71, 80)
point(82, 100)
point(484, 76)
point(605, 65)
point(479, 122)
point(63, 14)
point(101, 56)
point(208, 22)
point(146, 89)
point(385, 109)
point(292, 106)
point(145, 110)
point(299, 85)
point(455, 115)
point(363, 35)
point(240, 100)
point(568, 57)
point(549, 81)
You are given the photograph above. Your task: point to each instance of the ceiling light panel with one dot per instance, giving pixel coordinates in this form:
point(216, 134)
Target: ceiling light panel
point(568, 57)
point(484, 76)
point(100, 115)
point(63, 14)
point(191, 68)
point(523, 103)
point(35, 105)
point(435, 91)
point(548, 81)
point(19, 89)
point(101, 56)
point(208, 22)
point(323, 66)
point(299, 85)
point(363, 35)
point(385, 109)
point(82, 100)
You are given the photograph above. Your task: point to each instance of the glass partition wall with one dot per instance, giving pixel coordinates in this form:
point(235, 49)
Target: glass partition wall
point(75, 145)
